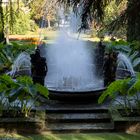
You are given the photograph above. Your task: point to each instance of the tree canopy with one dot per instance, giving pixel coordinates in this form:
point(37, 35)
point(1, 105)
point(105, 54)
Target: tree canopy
point(95, 10)
point(125, 13)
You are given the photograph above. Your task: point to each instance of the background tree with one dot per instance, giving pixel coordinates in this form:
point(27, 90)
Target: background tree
point(95, 9)
point(112, 11)
point(1, 22)
point(47, 10)
point(133, 16)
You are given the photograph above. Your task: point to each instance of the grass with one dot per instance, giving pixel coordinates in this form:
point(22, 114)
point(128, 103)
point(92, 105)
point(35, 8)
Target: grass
point(48, 35)
point(79, 136)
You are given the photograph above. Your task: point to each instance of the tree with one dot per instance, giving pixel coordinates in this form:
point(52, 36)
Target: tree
point(112, 11)
point(133, 16)
point(1, 22)
point(95, 9)
point(47, 10)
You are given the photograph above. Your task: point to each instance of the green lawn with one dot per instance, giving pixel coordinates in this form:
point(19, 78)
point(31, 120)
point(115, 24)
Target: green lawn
point(98, 136)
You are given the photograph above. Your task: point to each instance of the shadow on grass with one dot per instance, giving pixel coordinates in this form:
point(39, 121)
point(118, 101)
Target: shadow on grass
point(79, 136)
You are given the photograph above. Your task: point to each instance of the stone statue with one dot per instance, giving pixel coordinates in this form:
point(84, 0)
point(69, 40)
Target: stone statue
point(99, 57)
point(109, 67)
point(38, 67)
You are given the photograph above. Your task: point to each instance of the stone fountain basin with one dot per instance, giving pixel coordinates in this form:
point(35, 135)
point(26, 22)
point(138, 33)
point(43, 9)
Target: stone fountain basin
point(83, 94)
point(75, 95)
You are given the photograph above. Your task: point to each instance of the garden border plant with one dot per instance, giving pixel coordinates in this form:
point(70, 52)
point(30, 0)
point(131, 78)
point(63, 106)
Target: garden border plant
point(20, 94)
point(17, 99)
point(9, 53)
point(128, 90)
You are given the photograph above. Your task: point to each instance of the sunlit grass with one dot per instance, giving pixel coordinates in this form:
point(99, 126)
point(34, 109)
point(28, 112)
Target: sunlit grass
point(79, 136)
point(49, 36)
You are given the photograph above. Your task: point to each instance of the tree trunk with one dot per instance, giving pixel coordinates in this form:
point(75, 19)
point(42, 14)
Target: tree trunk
point(1, 23)
point(7, 35)
point(133, 26)
point(49, 23)
point(7, 27)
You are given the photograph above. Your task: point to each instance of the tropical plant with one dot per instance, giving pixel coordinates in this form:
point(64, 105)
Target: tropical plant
point(128, 90)
point(129, 49)
point(119, 46)
point(8, 54)
point(20, 94)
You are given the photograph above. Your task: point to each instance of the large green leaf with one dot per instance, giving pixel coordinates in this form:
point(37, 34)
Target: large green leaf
point(14, 94)
point(42, 90)
point(111, 91)
point(135, 88)
point(136, 62)
point(6, 79)
point(25, 80)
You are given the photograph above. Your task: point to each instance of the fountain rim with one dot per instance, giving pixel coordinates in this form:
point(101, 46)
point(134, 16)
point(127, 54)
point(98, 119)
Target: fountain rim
point(76, 95)
point(77, 91)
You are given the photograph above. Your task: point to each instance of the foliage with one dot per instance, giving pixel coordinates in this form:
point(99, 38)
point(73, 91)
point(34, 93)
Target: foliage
point(22, 24)
point(119, 46)
point(47, 10)
point(134, 54)
point(1, 22)
point(8, 54)
point(132, 50)
point(111, 11)
point(20, 94)
point(119, 86)
point(17, 19)
point(95, 10)
point(128, 89)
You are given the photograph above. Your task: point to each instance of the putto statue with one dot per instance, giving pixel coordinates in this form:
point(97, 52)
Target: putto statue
point(99, 58)
point(38, 67)
point(109, 67)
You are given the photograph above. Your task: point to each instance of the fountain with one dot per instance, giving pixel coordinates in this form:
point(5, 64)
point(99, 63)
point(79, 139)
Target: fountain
point(124, 68)
point(21, 65)
point(71, 67)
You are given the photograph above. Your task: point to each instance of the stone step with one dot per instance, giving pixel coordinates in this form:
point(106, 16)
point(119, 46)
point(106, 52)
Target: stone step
point(78, 117)
point(64, 107)
point(80, 127)
point(76, 110)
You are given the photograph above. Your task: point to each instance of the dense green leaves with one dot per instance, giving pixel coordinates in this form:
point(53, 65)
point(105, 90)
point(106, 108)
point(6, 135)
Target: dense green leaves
point(42, 90)
point(119, 86)
point(8, 53)
point(128, 90)
point(21, 91)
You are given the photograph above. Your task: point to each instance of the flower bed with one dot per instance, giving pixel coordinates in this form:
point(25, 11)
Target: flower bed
point(30, 40)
